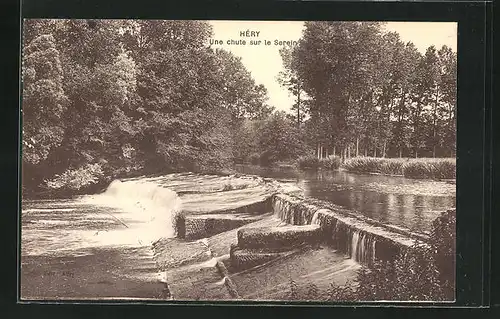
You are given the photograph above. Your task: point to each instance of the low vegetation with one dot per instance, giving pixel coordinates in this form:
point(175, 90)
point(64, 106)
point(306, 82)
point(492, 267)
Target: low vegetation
point(120, 108)
point(331, 162)
point(431, 168)
point(434, 168)
point(425, 273)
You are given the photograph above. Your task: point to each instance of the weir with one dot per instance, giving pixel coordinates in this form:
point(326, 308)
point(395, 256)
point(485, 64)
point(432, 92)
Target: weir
point(250, 228)
point(364, 241)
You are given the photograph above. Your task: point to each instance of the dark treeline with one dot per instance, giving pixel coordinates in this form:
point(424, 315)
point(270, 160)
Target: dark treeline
point(108, 98)
point(103, 98)
point(362, 91)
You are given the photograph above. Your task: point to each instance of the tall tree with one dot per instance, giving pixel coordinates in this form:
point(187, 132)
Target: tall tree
point(448, 81)
point(289, 79)
point(44, 99)
point(337, 68)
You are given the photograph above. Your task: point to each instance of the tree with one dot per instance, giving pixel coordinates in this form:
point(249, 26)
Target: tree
point(424, 100)
point(279, 139)
point(292, 82)
point(448, 81)
point(44, 99)
point(337, 63)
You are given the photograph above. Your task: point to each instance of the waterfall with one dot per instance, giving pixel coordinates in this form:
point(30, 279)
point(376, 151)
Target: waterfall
point(362, 246)
point(362, 241)
point(142, 206)
point(293, 211)
point(283, 209)
point(354, 245)
point(315, 219)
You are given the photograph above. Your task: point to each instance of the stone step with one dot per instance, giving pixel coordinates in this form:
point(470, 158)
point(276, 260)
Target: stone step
point(172, 253)
point(242, 259)
point(201, 281)
point(285, 237)
point(206, 225)
point(321, 266)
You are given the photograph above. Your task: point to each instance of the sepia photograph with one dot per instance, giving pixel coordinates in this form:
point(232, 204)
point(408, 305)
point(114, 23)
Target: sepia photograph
point(238, 161)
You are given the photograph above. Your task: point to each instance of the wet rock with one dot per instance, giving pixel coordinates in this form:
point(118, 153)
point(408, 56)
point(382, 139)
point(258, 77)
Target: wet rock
point(171, 253)
point(201, 226)
point(242, 259)
point(279, 237)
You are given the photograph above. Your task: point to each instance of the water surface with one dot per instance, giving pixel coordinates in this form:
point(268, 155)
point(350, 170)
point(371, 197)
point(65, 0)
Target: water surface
point(400, 201)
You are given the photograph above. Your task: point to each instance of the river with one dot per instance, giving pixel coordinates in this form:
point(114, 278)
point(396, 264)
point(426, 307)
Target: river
point(400, 201)
point(99, 246)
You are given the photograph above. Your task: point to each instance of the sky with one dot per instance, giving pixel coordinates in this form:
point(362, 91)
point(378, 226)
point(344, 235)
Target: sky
point(264, 61)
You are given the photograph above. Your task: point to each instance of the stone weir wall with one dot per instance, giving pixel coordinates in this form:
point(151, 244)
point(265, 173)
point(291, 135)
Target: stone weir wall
point(363, 240)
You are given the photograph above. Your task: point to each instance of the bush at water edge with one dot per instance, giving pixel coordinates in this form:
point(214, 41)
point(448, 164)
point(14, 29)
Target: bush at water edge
point(435, 168)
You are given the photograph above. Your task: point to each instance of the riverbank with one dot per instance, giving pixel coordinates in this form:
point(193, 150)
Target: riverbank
point(441, 169)
point(417, 168)
point(264, 239)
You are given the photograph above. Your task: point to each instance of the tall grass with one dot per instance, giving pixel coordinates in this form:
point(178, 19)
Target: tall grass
point(310, 161)
point(434, 168)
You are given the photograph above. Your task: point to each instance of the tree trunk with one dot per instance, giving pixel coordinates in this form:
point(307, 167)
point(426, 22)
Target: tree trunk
point(334, 151)
point(298, 106)
point(357, 146)
point(400, 152)
point(375, 151)
point(349, 151)
point(326, 152)
point(384, 148)
point(435, 123)
point(317, 151)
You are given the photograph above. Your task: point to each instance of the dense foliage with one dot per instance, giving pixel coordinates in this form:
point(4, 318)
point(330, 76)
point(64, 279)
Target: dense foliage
point(362, 91)
point(129, 96)
point(147, 96)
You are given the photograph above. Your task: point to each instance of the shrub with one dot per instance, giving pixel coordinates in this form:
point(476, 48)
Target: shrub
point(76, 179)
point(254, 158)
point(331, 162)
point(308, 161)
point(267, 158)
point(363, 165)
point(346, 292)
point(418, 170)
point(445, 169)
point(423, 273)
point(392, 167)
point(178, 221)
point(442, 168)
point(436, 168)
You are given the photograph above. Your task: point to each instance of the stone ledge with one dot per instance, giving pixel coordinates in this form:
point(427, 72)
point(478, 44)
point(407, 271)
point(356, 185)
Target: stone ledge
point(242, 259)
point(202, 226)
point(279, 237)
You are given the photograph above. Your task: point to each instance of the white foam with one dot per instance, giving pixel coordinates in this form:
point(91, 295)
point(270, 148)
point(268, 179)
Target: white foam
point(147, 210)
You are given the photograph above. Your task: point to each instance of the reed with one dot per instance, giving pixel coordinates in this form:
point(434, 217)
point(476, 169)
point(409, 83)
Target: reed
point(310, 161)
point(432, 168)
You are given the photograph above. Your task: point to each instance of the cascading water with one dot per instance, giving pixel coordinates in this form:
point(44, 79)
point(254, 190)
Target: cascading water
point(144, 208)
point(348, 237)
point(315, 219)
point(354, 244)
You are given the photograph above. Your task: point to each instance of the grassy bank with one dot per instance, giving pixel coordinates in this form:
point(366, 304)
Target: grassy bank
point(331, 162)
point(430, 168)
